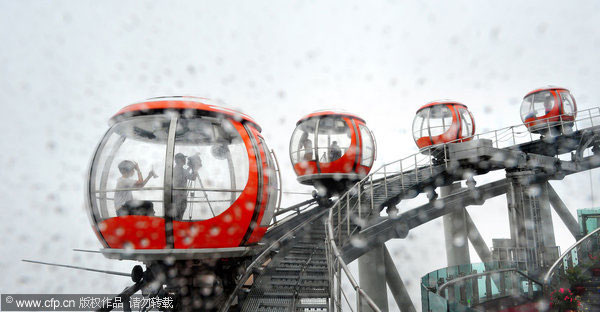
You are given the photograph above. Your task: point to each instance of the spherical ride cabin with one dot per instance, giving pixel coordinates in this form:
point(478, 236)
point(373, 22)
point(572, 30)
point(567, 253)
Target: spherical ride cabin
point(331, 150)
point(549, 111)
point(441, 122)
point(180, 177)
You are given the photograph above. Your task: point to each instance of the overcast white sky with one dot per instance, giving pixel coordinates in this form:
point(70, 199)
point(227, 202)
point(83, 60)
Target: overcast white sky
point(67, 66)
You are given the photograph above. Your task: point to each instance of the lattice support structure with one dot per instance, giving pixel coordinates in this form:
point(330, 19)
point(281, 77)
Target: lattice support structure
point(531, 228)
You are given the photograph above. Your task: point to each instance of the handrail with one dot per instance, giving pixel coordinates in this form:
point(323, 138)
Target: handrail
point(160, 188)
point(260, 260)
point(467, 277)
point(442, 146)
point(460, 288)
point(295, 207)
point(566, 253)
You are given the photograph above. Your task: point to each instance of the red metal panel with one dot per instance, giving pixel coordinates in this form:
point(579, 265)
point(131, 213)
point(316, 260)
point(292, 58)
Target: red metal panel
point(137, 232)
point(184, 104)
point(326, 113)
point(259, 231)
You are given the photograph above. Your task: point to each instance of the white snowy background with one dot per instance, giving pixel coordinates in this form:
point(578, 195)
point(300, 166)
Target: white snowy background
point(67, 66)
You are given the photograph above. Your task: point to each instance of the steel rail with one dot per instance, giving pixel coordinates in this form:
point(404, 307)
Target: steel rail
point(463, 278)
point(566, 253)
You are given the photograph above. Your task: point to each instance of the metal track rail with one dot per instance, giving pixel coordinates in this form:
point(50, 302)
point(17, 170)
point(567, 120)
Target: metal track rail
point(300, 269)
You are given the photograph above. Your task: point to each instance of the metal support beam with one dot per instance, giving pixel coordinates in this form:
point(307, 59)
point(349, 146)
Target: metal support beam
point(371, 274)
point(477, 241)
point(396, 285)
point(390, 228)
point(530, 221)
point(546, 217)
point(563, 212)
point(455, 231)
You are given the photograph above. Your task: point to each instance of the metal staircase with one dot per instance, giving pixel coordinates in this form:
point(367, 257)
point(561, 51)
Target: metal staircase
point(590, 300)
point(296, 278)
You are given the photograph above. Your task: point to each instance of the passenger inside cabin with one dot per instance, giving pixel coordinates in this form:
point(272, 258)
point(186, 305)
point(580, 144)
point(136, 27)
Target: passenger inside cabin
point(181, 177)
point(334, 151)
point(124, 201)
point(548, 103)
point(307, 147)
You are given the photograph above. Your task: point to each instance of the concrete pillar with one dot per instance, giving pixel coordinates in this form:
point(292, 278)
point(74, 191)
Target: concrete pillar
point(371, 275)
point(455, 232)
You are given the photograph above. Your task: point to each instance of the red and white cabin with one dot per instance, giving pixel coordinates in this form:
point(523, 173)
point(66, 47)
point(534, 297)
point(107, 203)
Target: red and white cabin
point(442, 122)
point(548, 110)
point(331, 148)
point(215, 184)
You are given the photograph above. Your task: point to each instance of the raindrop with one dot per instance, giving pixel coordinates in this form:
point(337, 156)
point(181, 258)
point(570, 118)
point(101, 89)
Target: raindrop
point(128, 247)
point(534, 191)
point(214, 231)
point(358, 242)
point(458, 241)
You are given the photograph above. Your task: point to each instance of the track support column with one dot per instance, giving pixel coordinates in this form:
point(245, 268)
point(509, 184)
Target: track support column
point(455, 231)
point(531, 228)
point(371, 274)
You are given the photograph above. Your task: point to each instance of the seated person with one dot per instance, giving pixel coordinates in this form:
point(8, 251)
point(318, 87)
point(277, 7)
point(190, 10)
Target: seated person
point(124, 202)
point(334, 151)
point(308, 150)
point(530, 115)
point(136, 208)
point(548, 105)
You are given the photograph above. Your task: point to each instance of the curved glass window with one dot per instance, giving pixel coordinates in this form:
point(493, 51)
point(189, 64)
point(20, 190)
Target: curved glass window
point(567, 103)
point(543, 102)
point(368, 147)
point(210, 168)
point(302, 145)
point(127, 173)
point(527, 110)
point(420, 124)
point(272, 186)
point(440, 119)
point(333, 138)
point(537, 105)
point(466, 122)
